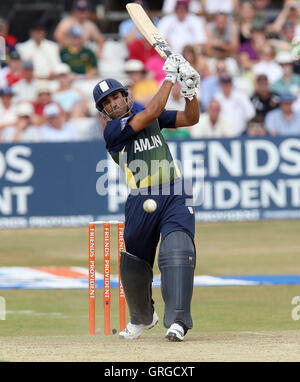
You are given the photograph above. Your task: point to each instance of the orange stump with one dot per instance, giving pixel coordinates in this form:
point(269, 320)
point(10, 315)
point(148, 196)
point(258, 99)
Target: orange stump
point(92, 288)
point(106, 272)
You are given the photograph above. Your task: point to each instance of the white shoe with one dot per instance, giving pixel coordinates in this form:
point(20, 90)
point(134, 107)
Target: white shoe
point(132, 331)
point(175, 333)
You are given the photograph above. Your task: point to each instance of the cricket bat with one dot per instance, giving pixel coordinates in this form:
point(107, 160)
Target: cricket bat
point(150, 32)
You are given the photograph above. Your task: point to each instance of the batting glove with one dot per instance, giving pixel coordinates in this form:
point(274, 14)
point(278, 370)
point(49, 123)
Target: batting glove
point(189, 75)
point(171, 67)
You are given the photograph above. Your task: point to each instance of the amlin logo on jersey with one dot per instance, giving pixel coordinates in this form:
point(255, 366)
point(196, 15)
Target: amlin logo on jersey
point(147, 144)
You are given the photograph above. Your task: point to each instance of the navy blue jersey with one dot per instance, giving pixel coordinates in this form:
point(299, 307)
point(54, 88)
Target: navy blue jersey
point(147, 146)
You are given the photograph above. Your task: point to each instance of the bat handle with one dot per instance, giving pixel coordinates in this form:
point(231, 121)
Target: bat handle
point(190, 83)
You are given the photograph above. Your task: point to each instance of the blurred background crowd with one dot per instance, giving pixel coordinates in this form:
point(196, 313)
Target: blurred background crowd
point(243, 50)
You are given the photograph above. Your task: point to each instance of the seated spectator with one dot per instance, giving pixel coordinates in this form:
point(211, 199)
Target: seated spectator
point(211, 84)
point(80, 16)
point(169, 6)
point(263, 99)
point(245, 21)
point(182, 27)
point(42, 52)
point(44, 97)
point(10, 41)
point(154, 66)
point(212, 123)
point(283, 121)
point(176, 102)
point(141, 50)
point(81, 60)
point(222, 37)
point(7, 108)
point(211, 7)
point(71, 100)
point(235, 105)
point(143, 88)
point(284, 42)
point(26, 88)
point(250, 51)
point(13, 73)
point(55, 129)
point(262, 9)
point(256, 129)
point(290, 14)
point(289, 82)
point(23, 130)
point(267, 64)
point(198, 61)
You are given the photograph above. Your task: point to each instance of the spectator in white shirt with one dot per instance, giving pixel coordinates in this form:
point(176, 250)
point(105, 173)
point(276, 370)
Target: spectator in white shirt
point(212, 124)
point(182, 28)
point(42, 52)
point(169, 6)
point(26, 89)
point(235, 105)
point(80, 16)
point(55, 129)
point(22, 130)
point(267, 64)
point(215, 6)
point(8, 114)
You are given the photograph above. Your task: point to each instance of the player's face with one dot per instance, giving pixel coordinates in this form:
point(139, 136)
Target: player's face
point(115, 105)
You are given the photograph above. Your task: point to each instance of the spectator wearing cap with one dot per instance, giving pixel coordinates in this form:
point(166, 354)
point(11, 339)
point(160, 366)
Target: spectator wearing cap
point(183, 27)
point(81, 60)
point(55, 129)
point(143, 88)
point(7, 108)
point(23, 130)
point(212, 123)
point(289, 82)
point(80, 16)
point(26, 88)
point(263, 99)
point(283, 121)
point(222, 37)
point(13, 71)
point(42, 52)
point(71, 100)
point(235, 105)
point(267, 64)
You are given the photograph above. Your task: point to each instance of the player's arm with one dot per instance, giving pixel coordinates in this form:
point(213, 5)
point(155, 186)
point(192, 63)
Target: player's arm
point(190, 115)
point(156, 106)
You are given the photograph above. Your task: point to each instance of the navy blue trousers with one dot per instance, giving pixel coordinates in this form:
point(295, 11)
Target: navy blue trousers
point(142, 229)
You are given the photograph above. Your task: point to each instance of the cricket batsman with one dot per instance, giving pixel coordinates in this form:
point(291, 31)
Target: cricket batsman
point(133, 135)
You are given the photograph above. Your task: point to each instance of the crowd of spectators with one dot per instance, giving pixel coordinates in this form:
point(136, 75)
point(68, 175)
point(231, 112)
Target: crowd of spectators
point(250, 75)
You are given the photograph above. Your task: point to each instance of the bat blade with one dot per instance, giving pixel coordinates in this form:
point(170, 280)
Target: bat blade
point(150, 32)
point(148, 29)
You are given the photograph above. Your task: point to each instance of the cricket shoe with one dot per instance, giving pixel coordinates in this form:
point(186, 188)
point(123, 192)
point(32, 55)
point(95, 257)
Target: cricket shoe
point(132, 331)
point(175, 333)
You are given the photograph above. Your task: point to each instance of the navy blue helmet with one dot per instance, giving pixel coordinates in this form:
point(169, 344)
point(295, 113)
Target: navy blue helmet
point(106, 87)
